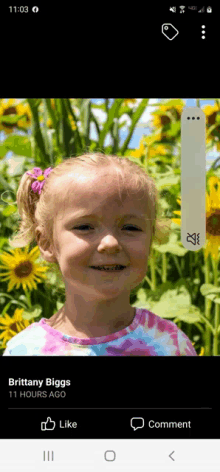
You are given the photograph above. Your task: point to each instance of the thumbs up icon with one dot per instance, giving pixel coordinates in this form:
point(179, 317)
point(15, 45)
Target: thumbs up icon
point(48, 425)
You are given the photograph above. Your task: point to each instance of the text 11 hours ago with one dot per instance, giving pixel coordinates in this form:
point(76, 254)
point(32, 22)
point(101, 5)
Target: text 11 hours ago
point(37, 394)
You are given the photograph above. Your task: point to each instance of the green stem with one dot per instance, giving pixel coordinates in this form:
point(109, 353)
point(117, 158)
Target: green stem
point(45, 116)
point(153, 270)
point(148, 281)
point(208, 304)
point(36, 129)
point(177, 265)
point(206, 323)
point(28, 297)
point(147, 158)
point(164, 268)
point(216, 323)
point(190, 265)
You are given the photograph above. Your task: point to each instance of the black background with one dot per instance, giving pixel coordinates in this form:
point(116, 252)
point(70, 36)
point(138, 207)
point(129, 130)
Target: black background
point(106, 392)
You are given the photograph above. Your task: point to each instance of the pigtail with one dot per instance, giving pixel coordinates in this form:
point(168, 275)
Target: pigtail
point(26, 203)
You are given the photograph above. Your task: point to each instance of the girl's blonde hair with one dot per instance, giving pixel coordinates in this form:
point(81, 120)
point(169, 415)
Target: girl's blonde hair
point(40, 210)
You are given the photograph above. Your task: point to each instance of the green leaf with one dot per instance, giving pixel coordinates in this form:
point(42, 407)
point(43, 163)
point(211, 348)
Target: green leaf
point(20, 145)
point(135, 117)
point(173, 303)
point(217, 300)
point(209, 288)
point(173, 246)
point(167, 181)
point(3, 242)
point(59, 306)
point(5, 184)
point(210, 291)
point(37, 310)
point(15, 302)
point(3, 150)
point(190, 315)
point(36, 129)
point(11, 119)
point(9, 210)
point(112, 113)
point(34, 102)
point(100, 107)
point(85, 114)
point(174, 129)
point(6, 308)
point(6, 295)
point(142, 299)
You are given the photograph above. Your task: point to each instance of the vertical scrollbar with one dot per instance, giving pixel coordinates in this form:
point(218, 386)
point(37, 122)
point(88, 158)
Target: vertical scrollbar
point(193, 178)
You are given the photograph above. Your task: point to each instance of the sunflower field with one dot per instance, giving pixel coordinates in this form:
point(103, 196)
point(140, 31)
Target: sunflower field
point(181, 285)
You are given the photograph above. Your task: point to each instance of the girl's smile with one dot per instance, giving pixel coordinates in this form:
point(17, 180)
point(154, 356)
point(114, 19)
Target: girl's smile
point(109, 272)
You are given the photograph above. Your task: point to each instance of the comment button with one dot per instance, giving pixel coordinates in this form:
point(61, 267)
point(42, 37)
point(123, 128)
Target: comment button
point(137, 423)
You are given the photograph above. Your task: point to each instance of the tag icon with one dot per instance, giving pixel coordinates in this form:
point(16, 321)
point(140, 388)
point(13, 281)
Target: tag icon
point(169, 31)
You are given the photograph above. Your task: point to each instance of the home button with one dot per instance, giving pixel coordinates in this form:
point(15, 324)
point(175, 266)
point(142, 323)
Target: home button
point(110, 455)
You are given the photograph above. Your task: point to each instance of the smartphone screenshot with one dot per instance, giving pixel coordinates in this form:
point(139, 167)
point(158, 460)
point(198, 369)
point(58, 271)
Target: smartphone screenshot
point(109, 242)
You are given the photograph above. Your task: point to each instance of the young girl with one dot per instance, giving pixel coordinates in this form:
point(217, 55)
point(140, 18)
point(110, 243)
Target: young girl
point(94, 216)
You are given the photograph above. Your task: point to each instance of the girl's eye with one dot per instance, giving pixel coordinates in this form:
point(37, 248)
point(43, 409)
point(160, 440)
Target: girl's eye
point(82, 226)
point(87, 226)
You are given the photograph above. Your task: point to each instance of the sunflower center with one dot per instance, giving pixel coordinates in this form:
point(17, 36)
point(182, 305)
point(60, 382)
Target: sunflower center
point(165, 120)
point(14, 327)
point(23, 269)
point(9, 111)
point(213, 223)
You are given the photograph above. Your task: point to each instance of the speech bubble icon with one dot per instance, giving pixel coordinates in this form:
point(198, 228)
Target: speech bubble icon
point(137, 423)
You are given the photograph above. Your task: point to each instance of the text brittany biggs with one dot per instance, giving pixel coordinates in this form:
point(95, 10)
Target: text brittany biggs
point(38, 383)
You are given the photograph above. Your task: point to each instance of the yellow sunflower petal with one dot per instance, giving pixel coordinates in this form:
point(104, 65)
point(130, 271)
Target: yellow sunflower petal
point(213, 180)
point(208, 206)
point(6, 319)
point(214, 197)
point(35, 253)
point(211, 248)
point(176, 220)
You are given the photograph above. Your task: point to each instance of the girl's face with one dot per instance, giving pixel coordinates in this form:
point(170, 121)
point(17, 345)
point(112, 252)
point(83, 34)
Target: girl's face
point(104, 235)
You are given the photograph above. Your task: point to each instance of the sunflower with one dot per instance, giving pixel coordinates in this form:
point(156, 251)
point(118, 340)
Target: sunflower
point(22, 268)
point(147, 143)
point(212, 218)
point(127, 101)
point(166, 111)
point(18, 108)
point(12, 325)
point(212, 113)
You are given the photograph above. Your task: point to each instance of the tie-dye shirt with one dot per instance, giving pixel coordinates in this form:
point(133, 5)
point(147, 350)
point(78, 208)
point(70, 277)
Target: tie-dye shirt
point(147, 335)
